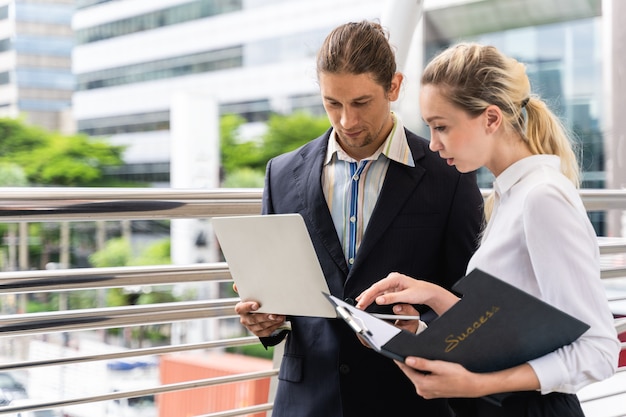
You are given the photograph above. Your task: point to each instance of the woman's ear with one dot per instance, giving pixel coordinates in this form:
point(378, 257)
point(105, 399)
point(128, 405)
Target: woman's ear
point(493, 118)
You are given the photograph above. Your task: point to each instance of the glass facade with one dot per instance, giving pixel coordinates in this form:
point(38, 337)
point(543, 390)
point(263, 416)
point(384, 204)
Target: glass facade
point(42, 42)
point(43, 13)
point(43, 45)
point(262, 52)
point(563, 62)
point(564, 65)
point(162, 69)
point(160, 18)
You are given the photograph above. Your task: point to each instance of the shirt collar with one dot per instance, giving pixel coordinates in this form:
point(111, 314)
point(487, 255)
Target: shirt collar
point(395, 147)
point(517, 171)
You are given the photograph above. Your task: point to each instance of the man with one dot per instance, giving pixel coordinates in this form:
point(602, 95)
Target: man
point(375, 200)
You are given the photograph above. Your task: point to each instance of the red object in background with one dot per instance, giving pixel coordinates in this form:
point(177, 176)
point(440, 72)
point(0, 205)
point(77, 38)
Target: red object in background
point(198, 401)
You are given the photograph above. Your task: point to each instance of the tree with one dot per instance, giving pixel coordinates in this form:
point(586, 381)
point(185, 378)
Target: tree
point(49, 158)
point(243, 162)
point(235, 153)
point(12, 175)
point(118, 252)
point(288, 132)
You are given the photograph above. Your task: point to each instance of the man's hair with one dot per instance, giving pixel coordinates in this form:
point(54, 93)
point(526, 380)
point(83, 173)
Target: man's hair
point(358, 48)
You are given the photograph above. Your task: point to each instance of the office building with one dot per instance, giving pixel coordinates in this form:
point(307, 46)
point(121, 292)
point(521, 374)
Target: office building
point(255, 57)
point(36, 80)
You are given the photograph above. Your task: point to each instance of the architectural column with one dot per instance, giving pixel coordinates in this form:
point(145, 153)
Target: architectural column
point(194, 164)
point(613, 15)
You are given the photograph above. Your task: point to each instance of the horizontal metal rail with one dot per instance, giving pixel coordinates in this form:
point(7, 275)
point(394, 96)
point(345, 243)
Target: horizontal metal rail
point(79, 204)
point(92, 278)
point(131, 353)
point(241, 411)
point(615, 245)
point(617, 391)
point(100, 204)
point(61, 204)
point(199, 383)
point(98, 318)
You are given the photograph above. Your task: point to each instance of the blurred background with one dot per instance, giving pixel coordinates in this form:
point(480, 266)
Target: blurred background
point(199, 95)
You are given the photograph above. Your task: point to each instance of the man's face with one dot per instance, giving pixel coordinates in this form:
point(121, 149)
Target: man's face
point(359, 110)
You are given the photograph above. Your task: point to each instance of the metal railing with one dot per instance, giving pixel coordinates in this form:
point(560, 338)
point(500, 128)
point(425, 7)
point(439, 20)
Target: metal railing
point(29, 205)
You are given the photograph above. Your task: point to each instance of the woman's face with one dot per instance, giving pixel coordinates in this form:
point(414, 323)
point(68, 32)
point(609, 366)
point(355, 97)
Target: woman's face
point(462, 140)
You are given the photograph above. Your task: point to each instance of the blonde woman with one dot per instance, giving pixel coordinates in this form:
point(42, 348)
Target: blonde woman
point(481, 112)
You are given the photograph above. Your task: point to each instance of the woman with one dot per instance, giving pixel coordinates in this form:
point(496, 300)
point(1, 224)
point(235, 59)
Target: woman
point(480, 111)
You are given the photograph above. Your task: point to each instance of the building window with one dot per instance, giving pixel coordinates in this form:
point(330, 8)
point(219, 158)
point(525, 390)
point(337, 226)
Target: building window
point(252, 111)
point(5, 77)
point(5, 45)
point(132, 123)
point(162, 69)
point(156, 19)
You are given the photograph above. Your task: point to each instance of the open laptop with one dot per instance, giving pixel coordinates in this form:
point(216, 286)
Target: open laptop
point(272, 260)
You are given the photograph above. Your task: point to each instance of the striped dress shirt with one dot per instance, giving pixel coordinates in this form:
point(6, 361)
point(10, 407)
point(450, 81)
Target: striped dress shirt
point(352, 187)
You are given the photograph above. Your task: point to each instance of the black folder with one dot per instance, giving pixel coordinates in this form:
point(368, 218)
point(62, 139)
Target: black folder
point(494, 326)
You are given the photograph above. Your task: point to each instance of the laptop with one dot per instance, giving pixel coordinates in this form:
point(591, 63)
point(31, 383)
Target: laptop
point(272, 260)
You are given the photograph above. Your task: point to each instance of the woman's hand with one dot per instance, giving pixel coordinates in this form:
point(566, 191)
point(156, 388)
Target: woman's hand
point(398, 288)
point(440, 379)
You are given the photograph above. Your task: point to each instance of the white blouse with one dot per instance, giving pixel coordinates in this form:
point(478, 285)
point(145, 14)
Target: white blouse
point(540, 239)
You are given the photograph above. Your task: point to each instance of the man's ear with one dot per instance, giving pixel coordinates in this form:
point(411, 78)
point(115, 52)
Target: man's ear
point(396, 83)
point(493, 118)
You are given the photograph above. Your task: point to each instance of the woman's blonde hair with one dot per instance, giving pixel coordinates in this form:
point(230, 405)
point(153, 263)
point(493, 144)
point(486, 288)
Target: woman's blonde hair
point(473, 77)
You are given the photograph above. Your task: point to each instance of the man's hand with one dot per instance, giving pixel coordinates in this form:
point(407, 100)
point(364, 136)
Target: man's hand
point(261, 324)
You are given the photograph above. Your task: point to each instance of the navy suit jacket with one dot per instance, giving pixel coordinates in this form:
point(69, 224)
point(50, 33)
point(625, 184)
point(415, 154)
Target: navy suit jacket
point(425, 224)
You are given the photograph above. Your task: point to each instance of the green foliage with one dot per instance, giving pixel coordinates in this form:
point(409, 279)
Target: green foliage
point(18, 138)
point(286, 133)
point(257, 350)
point(244, 178)
point(116, 252)
point(158, 253)
point(235, 154)
point(155, 297)
point(12, 175)
point(38, 306)
point(244, 162)
point(54, 159)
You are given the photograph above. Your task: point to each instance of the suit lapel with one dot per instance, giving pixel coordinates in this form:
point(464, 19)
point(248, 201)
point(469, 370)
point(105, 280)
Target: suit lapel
point(400, 183)
point(308, 176)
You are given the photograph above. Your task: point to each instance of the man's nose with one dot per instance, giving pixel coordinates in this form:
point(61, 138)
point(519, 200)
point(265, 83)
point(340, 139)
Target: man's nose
point(349, 118)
